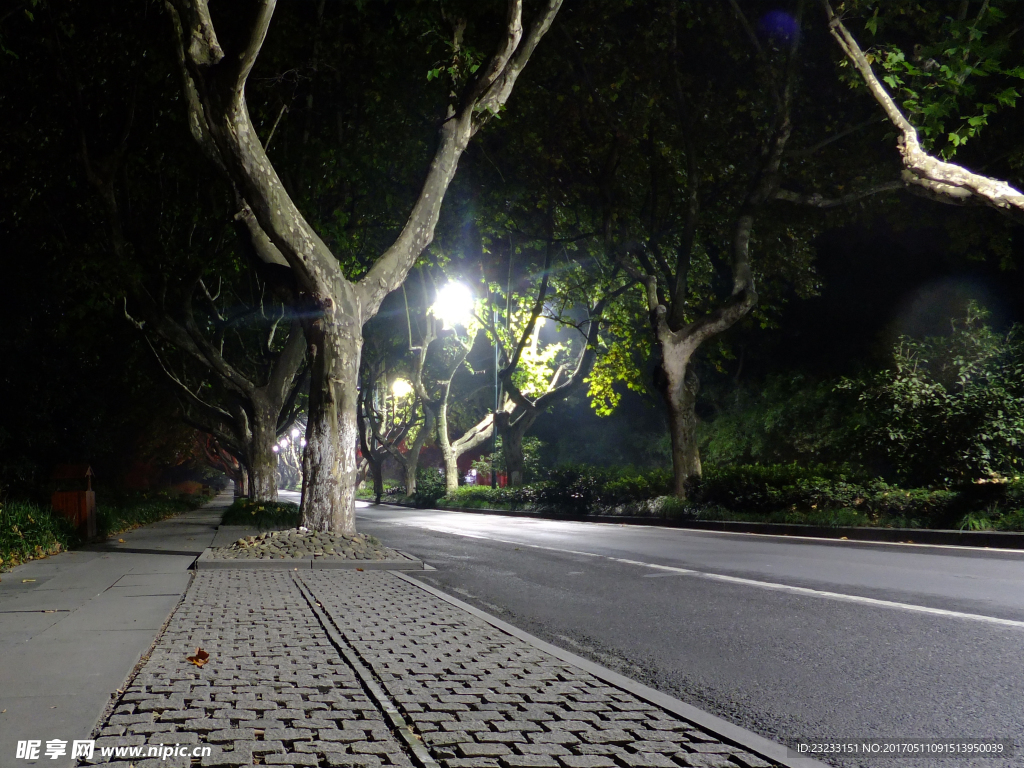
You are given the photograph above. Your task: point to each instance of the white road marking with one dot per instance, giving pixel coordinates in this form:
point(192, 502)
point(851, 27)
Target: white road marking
point(672, 570)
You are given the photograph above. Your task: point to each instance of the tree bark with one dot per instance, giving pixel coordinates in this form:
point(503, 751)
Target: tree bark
point(262, 459)
point(512, 446)
point(332, 432)
point(241, 478)
point(679, 390)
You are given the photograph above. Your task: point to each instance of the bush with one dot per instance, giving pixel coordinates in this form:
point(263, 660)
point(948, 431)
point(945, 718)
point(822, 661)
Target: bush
point(120, 512)
point(814, 494)
point(951, 409)
point(262, 514)
point(430, 486)
point(28, 532)
point(365, 491)
point(485, 497)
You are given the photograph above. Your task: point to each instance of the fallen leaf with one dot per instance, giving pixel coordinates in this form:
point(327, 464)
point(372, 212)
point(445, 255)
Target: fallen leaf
point(199, 659)
point(120, 541)
point(26, 581)
point(359, 569)
point(2, 711)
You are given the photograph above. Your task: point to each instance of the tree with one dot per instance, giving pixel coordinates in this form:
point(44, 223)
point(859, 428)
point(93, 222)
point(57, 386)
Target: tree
point(937, 91)
point(215, 67)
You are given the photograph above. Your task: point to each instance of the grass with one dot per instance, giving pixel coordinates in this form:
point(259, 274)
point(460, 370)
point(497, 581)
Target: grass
point(262, 514)
point(30, 532)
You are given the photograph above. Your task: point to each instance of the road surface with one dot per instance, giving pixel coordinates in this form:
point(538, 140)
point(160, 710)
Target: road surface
point(792, 639)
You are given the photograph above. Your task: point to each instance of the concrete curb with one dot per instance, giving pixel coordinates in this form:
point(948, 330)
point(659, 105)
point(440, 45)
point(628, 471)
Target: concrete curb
point(206, 562)
point(720, 728)
point(974, 539)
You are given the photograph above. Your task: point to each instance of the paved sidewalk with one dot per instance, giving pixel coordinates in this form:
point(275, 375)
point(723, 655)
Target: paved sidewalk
point(362, 669)
point(73, 626)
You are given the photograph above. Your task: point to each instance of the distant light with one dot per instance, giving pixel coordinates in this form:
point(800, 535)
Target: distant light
point(401, 388)
point(295, 433)
point(276, 448)
point(302, 442)
point(454, 305)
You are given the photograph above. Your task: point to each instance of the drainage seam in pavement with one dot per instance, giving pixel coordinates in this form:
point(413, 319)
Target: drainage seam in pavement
point(373, 687)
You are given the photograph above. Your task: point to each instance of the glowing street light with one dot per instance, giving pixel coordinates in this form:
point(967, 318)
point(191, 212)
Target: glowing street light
point(295, 433)
point(454, 305)
point(401, 388)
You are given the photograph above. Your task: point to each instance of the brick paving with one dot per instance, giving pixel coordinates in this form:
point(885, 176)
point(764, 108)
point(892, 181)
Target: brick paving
point(483, 699)
point(276, 691)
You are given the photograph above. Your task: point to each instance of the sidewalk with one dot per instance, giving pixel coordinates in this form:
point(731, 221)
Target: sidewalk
point(73, 626)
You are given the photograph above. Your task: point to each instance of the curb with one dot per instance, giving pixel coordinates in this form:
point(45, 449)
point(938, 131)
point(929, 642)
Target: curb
point(206, 562)
point(973, 539)
point(722, 729)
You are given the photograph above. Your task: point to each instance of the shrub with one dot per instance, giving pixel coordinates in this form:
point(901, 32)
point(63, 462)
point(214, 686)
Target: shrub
point(28, 532)
point(262, 514)
point(430, 486)
point(119, 512)
point(484, 497)
point(951, 409)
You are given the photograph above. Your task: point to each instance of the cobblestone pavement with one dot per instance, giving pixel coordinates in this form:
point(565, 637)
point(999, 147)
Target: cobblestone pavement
point(483, 699)
point(300, 543)
point(274, 692)
point(278, 691)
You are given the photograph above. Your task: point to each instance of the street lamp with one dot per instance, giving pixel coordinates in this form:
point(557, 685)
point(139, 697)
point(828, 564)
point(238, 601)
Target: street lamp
point(454, 305)
point(401, 388)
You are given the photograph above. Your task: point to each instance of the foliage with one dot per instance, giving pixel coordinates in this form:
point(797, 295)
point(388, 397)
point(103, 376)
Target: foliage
point(262, 514)
point(430, 486)
point(532, 447)
point(962, 71)
point(766, 491)
point(485, 497)
point(120, 512)
point(951, 409)
point(28, 532)
point(784, 419)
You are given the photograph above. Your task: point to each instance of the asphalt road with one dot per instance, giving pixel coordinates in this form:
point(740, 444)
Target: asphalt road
point(793, 639)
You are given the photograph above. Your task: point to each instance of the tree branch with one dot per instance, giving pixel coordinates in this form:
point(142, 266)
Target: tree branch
point(935, 175)
point(816, 200)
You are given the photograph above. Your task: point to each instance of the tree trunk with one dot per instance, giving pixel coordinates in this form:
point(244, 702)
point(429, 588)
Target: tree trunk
point(332, 433)
point(377, 469)
point(679, 389)
point(241, 478)
point(411, 461)
point(512, 448)
point(262, 459)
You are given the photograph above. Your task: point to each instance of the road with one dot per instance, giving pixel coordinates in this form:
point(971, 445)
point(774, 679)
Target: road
point(792, 639)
